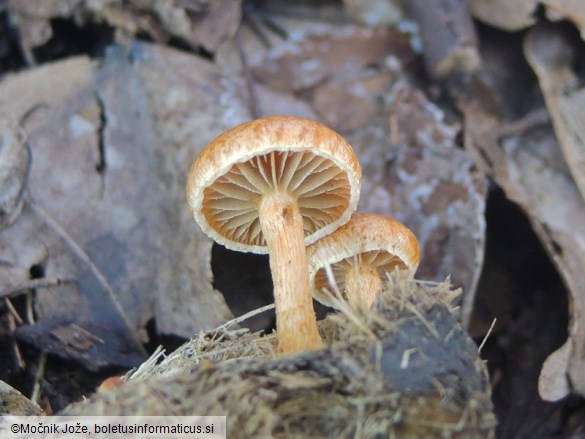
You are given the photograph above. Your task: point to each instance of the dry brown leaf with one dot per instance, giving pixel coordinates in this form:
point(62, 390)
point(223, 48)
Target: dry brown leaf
point(552, 383)
point(573, 10)
point(217, 24)
point(111, 148)
point(346, 104)
point(64, 160)
point(448, 36)
point(414, 172)
point(264, 29)
point(200, 23)
point(505, 14)
point(33, 18)
point(15, 403)
point(272, 102)
point(374, 12)
point(191, 102)
point(14, 170)
point(551, 56)
point(301, 64)
point(520, 14)
point(531, 171)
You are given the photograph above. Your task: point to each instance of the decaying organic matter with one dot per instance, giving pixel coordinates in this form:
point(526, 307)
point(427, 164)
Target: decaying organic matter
point(406, 368)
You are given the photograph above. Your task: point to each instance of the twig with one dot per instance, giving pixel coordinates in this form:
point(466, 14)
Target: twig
point(39, 377)
point(423, 320)
point(252, 98)
point(12, 317)
point(17, 355)
point(531, 120)
point(148, 365)
point(13, 311)
point(487, 335)
point(256, 26)
point(243, 317)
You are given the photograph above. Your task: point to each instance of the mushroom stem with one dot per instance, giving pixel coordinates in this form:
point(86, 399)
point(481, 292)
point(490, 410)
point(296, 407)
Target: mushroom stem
point(362, 285)
point(282, 225)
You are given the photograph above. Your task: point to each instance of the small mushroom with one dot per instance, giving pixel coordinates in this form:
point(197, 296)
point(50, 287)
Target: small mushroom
point(110, 384)
point(359, 254)
point(275, 185)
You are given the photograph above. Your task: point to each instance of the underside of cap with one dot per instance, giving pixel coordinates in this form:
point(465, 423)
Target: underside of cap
point(370, 239)
point(307, 160)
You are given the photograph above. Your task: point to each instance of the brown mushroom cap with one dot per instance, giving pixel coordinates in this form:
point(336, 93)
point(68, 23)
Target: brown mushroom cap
point(314, 163)
point(379, 242)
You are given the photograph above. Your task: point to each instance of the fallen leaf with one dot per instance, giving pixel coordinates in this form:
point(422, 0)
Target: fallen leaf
point(449, 39)
point(14, 172)
point(15, 403)
point(573, 10)
point(111, 148)
point(413, 171)
point(553, 384)
point(188, 111)
point(503, 14)
point(374, 12)
point(300, 65)
point(348, 104)
point(33, 19)
point(551, 56)
point(217, 24)
point(199, 23)
point(531, 171)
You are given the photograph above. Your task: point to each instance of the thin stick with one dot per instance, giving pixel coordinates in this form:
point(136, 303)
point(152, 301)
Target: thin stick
point(30, 317)
point(423, 320)
point(12, 316)
point(246, 316)
point(252, 98)
point(38, 377)
point(148, 365)
point(487, 335)
point(13, 311)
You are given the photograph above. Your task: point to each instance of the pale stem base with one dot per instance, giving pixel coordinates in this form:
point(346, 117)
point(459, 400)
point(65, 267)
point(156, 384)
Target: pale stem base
point(362, 285)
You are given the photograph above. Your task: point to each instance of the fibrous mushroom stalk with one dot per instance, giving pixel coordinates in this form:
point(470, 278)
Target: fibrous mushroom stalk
point(363, 285)
point(282, 226)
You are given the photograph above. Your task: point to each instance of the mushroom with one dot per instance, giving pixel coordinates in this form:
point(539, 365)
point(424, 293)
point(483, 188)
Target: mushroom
point(275, 185)
point(359, 253)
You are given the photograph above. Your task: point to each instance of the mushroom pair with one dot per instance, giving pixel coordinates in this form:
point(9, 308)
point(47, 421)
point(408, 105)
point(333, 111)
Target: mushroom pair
point(275, 185)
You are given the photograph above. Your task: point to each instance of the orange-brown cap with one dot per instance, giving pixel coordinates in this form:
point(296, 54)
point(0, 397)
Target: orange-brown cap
point(312, 162)
point(110, 383)
point(375, 240)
